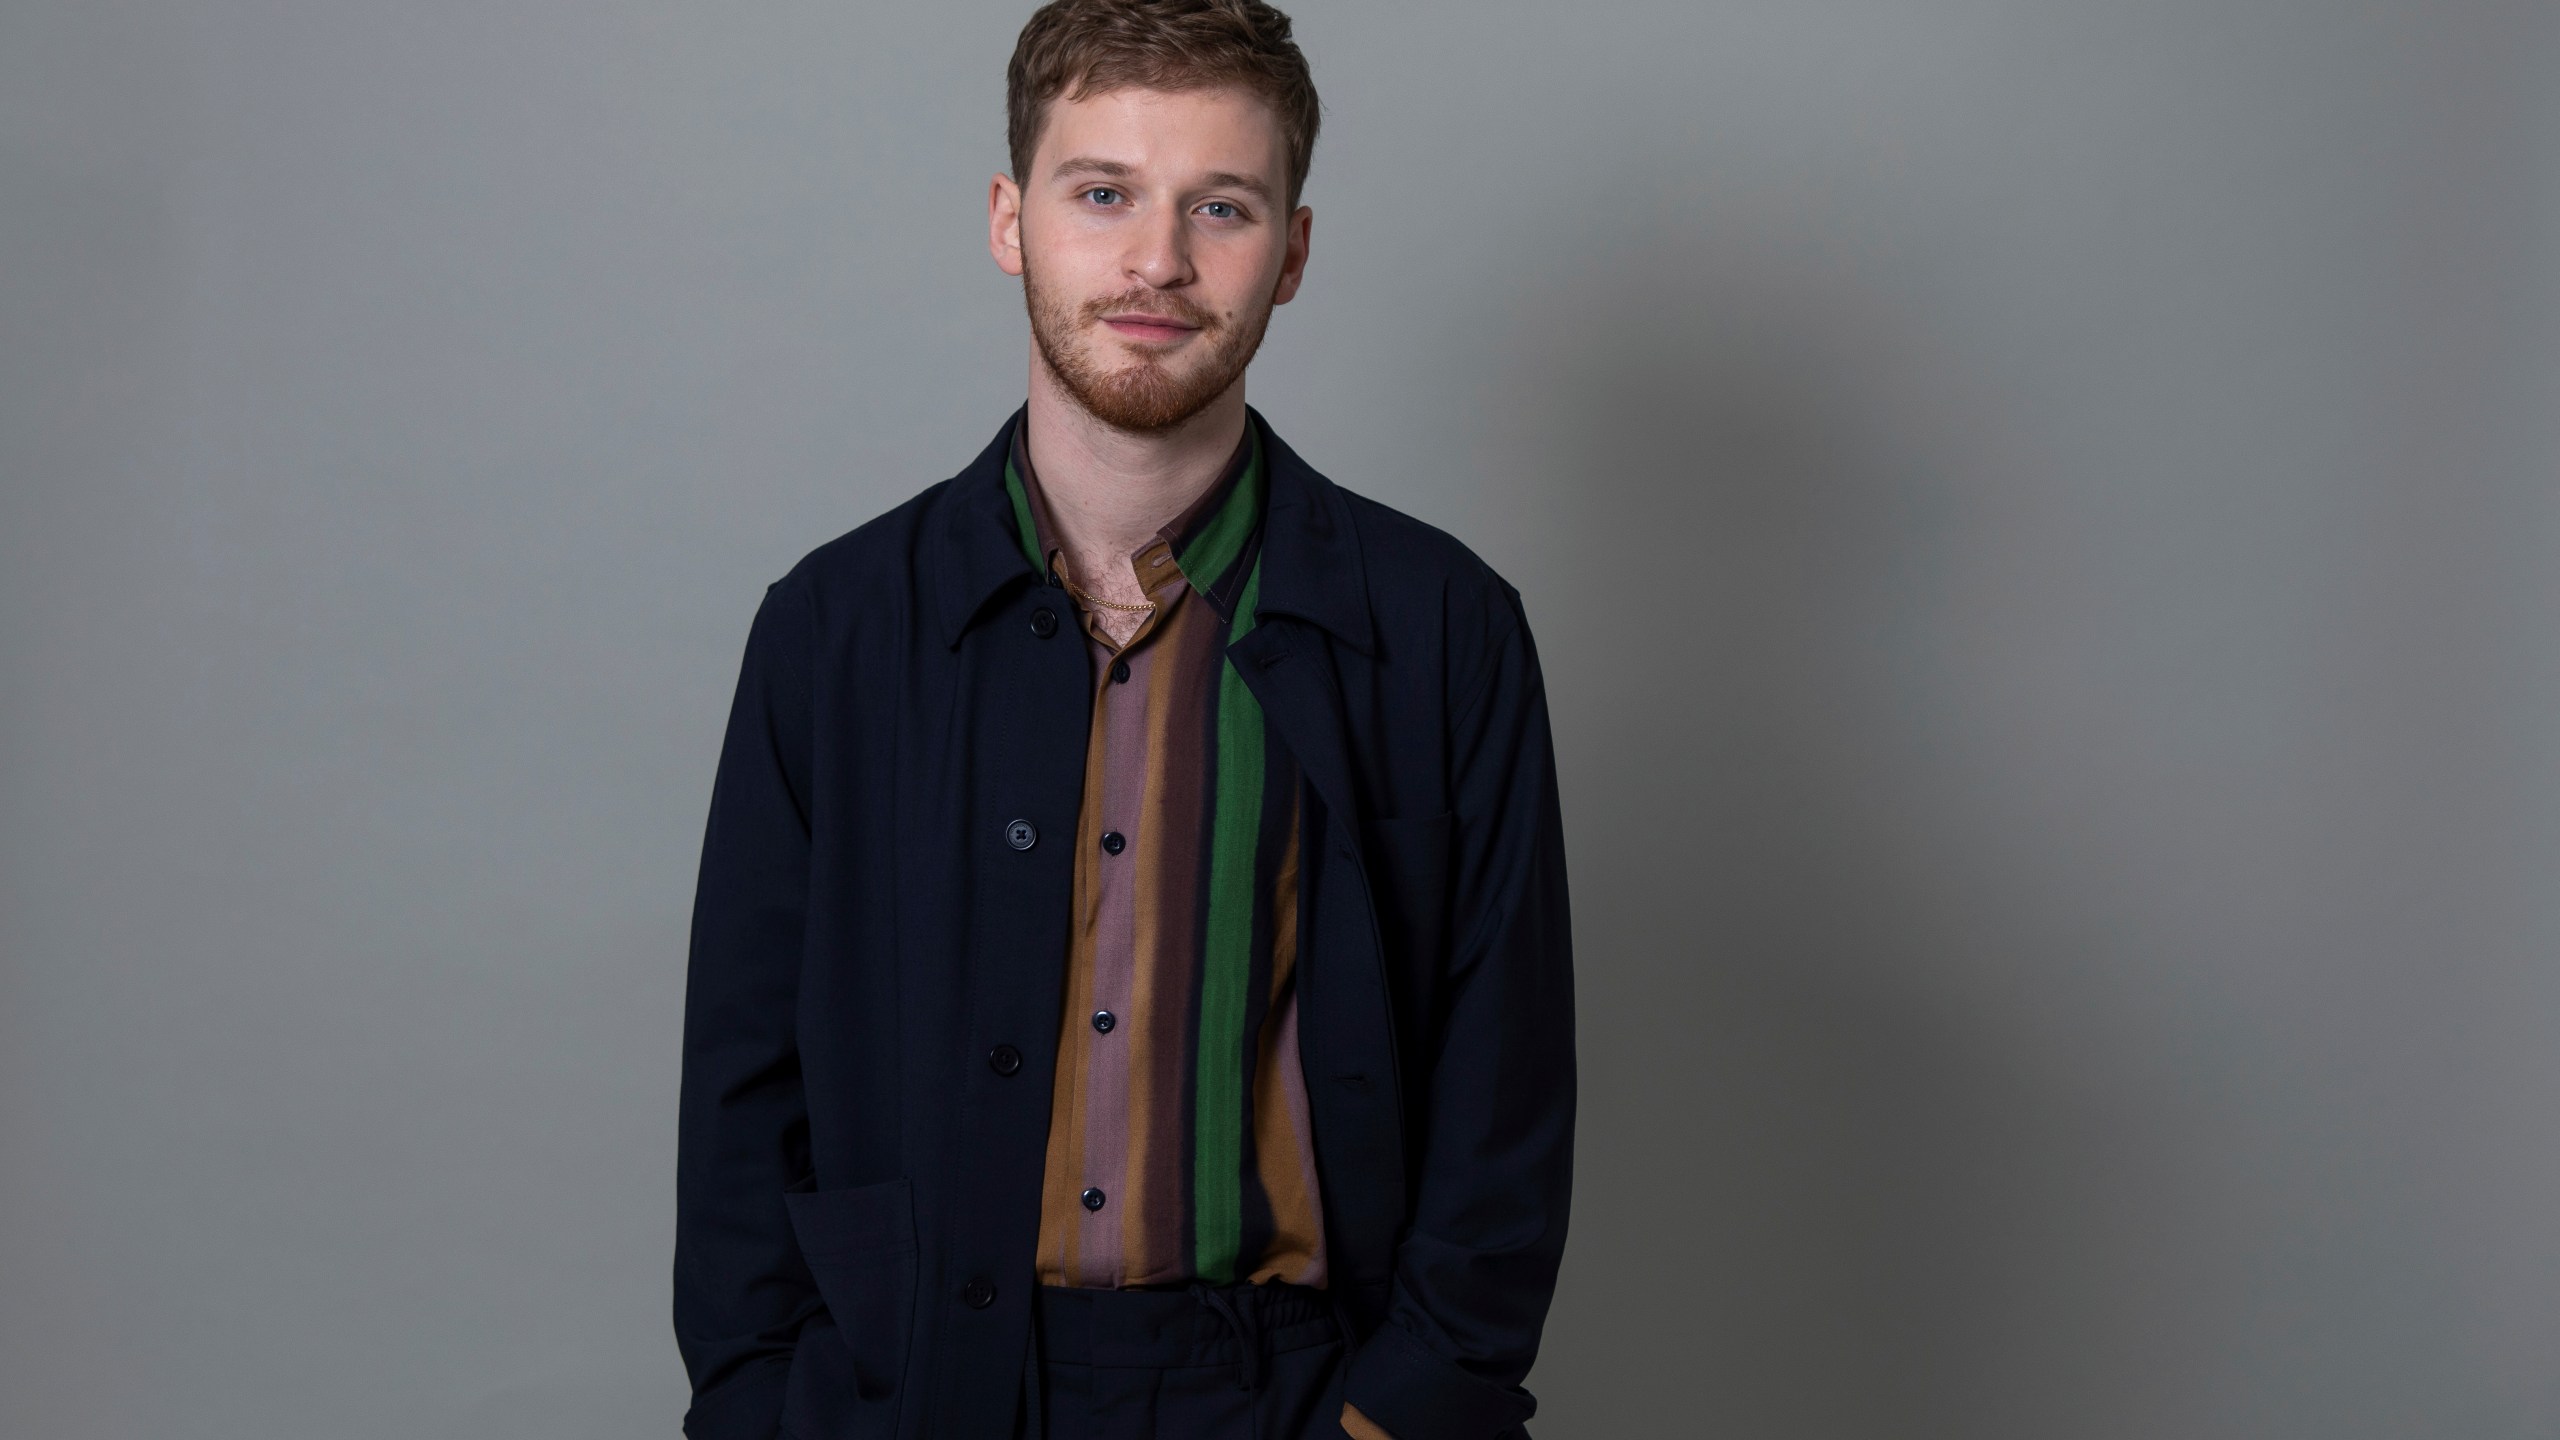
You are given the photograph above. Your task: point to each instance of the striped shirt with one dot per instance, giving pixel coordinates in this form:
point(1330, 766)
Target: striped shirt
point(1179, 1145)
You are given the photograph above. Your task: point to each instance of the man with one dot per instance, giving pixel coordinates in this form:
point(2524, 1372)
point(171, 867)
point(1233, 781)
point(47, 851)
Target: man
point(1130, 991)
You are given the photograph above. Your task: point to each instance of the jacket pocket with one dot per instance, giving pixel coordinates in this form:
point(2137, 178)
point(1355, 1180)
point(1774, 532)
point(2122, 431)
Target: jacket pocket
point(848, 1370)
point(1413, 898)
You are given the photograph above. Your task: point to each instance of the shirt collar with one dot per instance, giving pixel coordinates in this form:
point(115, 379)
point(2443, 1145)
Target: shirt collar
point(1213, 541)
point(1312, 561)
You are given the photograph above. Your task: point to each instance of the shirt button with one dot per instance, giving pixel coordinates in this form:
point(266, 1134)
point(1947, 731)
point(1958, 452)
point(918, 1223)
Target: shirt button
point(1112, 843)
point(1120, 671)
point(979, 1293)
point(1093, 1199)
point(1004, 1059)
point(1044, 622)
point(1020, 835)
point(1103, 1020)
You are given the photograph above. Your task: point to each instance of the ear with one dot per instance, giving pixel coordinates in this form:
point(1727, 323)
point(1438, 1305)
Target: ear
point(1293, 262)
point(1004, 224)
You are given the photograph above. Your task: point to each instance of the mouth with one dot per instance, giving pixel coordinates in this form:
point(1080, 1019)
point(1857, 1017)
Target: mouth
point(1149, 329)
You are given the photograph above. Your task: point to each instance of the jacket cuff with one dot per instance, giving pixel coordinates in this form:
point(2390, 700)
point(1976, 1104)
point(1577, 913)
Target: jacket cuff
point(747, 1407)
point(1414, 1392)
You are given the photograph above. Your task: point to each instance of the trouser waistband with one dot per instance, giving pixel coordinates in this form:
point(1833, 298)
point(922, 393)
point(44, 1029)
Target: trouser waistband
point(1200, 1325)
point(1079, 1334)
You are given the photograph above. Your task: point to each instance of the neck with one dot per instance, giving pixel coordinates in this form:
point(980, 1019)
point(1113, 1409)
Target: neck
point(1108, 490)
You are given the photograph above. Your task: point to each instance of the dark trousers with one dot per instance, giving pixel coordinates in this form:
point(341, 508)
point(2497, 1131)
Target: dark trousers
point(1233, 1362)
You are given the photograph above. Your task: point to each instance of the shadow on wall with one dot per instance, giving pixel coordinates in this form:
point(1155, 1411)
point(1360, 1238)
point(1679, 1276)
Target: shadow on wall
point(1833, 1176)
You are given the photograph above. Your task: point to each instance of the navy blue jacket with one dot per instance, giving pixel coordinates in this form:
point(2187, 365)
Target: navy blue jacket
point(871, 1013)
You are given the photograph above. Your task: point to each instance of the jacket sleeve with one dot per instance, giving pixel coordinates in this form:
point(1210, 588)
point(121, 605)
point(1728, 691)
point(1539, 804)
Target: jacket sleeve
point(741, 1290)
point(1477, 1266)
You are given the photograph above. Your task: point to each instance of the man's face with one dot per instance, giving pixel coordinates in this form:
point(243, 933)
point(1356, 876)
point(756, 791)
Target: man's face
point(1151, 243)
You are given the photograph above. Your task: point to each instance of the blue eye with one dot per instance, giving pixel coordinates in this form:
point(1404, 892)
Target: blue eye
point(1220, 205)
point(1102, 195)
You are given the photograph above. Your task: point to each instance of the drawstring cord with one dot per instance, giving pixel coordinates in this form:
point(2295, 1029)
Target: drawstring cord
point(1248, 1333)
point(1243, 1321)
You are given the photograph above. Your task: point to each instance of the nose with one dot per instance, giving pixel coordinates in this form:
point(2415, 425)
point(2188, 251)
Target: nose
point(1160, 250)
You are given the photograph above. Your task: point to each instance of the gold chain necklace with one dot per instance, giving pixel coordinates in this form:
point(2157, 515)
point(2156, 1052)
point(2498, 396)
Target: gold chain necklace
point(1125, 608)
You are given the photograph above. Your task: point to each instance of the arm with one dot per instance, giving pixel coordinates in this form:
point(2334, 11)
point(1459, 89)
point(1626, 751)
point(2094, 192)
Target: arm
point(1476, 1269)
point(742, 1138)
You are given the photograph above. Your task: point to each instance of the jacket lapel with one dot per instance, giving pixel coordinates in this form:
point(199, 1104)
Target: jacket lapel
point(1311, 574)
point(981, 553)
point(1313, 607)
point(1312, 564)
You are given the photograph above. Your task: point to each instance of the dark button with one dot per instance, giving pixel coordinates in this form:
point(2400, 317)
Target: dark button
point(1120, 671)
point(979, 1293)
point(1093, 1199)
point(1044, 622)
point(1112, 844)
point(1020, 835)
point(1103, 1020)
point(1004, 1059)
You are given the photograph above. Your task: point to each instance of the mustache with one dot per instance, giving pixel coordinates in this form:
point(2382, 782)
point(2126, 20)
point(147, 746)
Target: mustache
point(1154, 303)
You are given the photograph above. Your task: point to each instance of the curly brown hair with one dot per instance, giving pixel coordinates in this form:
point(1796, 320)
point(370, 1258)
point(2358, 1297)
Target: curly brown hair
point(1078, 48)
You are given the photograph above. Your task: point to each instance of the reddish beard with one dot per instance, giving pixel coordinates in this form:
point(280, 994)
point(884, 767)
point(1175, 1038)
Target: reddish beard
point(1146, 396)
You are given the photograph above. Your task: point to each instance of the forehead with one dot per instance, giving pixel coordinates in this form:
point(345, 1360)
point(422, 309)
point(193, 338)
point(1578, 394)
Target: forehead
point(1165, 132)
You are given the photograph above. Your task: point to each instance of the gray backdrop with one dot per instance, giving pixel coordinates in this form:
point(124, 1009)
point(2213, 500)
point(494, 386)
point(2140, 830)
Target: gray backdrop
point(2041, 519)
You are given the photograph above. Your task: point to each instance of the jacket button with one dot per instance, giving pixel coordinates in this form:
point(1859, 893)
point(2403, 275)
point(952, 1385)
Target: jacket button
point(1120, 671)
point(1044, 622)
point(1093, 1199)
point(1103, 1020)
point(1113, 843)
point(979, 1293)
point(1020, 835)
point(1004, 1060)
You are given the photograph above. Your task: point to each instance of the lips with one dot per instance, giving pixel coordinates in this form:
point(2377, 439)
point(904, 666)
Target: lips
point(1139, 325)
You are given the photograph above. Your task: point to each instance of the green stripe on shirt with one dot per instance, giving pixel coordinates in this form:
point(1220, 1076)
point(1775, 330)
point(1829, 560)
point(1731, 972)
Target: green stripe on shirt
point(1217, 1155)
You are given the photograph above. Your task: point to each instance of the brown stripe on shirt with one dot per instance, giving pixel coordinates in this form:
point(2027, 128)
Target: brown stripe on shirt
point(1122, 1119)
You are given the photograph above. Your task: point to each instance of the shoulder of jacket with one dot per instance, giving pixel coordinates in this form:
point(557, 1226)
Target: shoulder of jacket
point(871, 564)
point(1415, 568)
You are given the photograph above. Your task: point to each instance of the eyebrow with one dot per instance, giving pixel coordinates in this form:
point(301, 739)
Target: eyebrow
point(1113, 169)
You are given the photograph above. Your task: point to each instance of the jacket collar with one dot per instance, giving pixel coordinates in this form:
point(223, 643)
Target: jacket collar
point(981, 553)
point(1310, 555)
